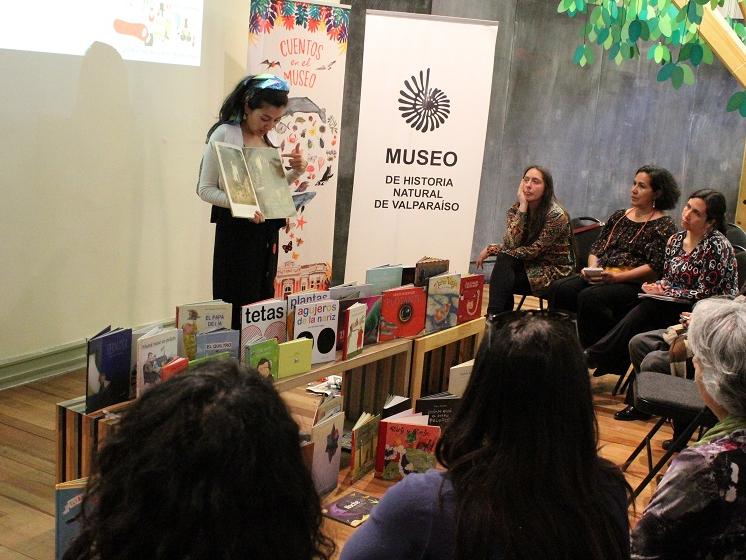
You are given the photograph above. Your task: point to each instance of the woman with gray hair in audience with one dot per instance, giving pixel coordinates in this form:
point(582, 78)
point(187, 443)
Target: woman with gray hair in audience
point(699, 508)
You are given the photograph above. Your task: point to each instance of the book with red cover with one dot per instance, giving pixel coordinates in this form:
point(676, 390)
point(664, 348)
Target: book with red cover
point(402, 312)
point(406, 444)
point(470, 298)
point(175, 366)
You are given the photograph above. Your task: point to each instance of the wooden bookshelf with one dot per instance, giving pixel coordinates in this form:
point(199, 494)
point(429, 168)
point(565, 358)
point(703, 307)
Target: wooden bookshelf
point(435, 354)
point(367, 379)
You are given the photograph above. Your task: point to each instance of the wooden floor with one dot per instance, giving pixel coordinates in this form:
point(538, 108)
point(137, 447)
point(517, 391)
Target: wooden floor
point(27, 454)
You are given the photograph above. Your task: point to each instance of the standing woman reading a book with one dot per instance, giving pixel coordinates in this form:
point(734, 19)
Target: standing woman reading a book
point(699, 263)
point(536, 248)
point(245, 253)
point(629, 251)
point(524, 478)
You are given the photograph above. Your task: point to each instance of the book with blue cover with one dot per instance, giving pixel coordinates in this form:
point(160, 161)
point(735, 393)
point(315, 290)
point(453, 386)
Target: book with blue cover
point(219, 340)
point(108, 368)
point(68, 499)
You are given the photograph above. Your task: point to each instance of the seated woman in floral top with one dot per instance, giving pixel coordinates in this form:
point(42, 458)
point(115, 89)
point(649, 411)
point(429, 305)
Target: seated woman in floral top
point(699, 508)
point(536, 247)
point(630, 249)
point(700, 263)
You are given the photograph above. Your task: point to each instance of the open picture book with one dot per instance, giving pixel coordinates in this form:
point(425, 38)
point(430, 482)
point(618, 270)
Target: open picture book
point(254, 179)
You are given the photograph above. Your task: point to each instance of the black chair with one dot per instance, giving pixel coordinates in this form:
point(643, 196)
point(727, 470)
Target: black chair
point(735, 235)
point(585, 231)
point(668, 397)
point(740, 263)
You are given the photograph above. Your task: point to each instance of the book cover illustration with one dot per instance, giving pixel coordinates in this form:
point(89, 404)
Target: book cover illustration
point(263, 320)
point(264, 356)
point(294, 357)
point(269, 181)
point(293, 300)
point(174, 367)
point(318, 321)
point(199, 317)
point(196, 362)
point(405, 447)
point(352, 509)
point(354, 326)
point(109, 355)
point(154, 350)
point(220, 340)
point(236, 180)
point(470, 297)
point(363, 445)
point(427, 267)
point(442, 302)
point(402, 312)
point(68, 500)
point(383, 277)
point(372, 319)
point(327, 452)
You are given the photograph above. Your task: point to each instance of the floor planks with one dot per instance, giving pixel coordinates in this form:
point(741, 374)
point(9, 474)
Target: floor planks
point(27, 454)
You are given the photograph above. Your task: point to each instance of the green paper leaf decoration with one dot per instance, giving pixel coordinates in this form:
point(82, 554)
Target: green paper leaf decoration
point(635, 29)
point(579, 53)
point(736, 100)
point(697, 54)
point(665, 25)
point(694, 12)
point(677, 76)
point(742, 110)
point(688, 74)
point(707, 57)
point(665, 72)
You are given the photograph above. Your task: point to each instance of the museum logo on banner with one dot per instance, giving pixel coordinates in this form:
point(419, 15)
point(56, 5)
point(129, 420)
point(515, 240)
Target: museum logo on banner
point(423, 109)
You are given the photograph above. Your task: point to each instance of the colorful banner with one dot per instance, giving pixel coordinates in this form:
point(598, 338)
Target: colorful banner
point(423, 118)
point(305, 43)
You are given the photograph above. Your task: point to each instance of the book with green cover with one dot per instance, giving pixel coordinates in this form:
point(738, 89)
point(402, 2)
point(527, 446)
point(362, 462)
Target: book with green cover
point(294, 357)
point(264, 356)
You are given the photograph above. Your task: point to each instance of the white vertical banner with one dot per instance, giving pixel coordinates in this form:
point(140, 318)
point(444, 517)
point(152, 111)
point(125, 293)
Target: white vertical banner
point(423, 118)
point(305, 43)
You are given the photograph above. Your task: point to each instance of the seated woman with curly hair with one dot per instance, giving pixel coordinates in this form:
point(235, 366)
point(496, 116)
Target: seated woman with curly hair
point(630, 250)
point(205, 466)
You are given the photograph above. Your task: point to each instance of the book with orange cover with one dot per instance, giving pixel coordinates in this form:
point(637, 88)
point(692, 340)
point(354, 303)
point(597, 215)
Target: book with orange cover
point(406, 444)
point(402, 312)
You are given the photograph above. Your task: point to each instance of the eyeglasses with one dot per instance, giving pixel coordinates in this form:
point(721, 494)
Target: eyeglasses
point(268, 81)
point(498, 321)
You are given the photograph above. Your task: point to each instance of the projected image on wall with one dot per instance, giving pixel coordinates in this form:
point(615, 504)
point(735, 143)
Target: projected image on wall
point(143, 30)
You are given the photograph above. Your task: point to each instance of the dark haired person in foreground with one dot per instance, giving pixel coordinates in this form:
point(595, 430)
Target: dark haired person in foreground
point(524, 478)
point(245, 254)
point(536, 246)
point(205, 466)
point(699, 509)
point(630, 250)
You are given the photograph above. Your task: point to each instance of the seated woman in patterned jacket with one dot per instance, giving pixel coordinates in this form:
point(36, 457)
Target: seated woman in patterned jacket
point(536, 248)
point(700, 263)
point(699, 508)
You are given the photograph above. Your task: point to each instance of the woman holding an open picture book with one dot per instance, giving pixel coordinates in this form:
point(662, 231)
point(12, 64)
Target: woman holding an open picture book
point(245, 253)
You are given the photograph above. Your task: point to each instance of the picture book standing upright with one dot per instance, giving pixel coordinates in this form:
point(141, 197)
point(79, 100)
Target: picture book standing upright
point(383, 277)
point(428, 267)
point(263, 320)
point(353, 323)
point(108, 368)
point(194, 318)
point(402, 312)
point(318, 322)
point(327, 452)
point(154, 350)
point(406, 444)
point(442, 301)
point(299, 298)
point(470, 297)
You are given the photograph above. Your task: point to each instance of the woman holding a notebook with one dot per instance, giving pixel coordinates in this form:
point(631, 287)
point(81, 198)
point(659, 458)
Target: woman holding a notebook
point(245, 251)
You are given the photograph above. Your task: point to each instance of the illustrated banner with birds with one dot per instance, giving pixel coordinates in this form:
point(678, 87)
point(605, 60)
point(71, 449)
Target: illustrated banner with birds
point(306, 44)
point(424, 107)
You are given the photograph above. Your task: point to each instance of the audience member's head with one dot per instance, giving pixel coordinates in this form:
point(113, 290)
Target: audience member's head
point(522, 448)
point(207, 465)
point(664, 186)
point(717, 336)
point(715, 203)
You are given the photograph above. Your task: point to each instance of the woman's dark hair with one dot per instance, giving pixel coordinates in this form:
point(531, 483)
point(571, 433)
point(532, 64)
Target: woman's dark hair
point(522, 450)
point(232, 110)
point(207, 465)
point(663, 183)
point(715, 203)
point(537, 220)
